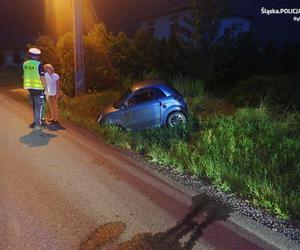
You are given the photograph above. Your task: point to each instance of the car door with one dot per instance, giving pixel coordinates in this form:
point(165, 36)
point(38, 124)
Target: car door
point(143, 110)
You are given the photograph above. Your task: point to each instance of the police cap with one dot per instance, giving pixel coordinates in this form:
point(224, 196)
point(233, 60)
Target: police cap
point(34, 51)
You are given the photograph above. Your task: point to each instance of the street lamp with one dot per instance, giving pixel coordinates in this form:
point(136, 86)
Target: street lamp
point(78, 48)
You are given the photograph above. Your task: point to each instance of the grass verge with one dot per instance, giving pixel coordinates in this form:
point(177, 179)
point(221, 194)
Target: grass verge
point(251, 152)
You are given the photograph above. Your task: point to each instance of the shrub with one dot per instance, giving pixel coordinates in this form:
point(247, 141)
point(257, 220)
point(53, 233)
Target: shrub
point(49, 51)
point(99, 70)
point(271, 90)
point(65, 49)
point(188, 87)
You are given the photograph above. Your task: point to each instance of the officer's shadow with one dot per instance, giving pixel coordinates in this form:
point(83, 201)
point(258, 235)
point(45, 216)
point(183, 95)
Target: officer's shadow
point(189, 227)
point(37, 138)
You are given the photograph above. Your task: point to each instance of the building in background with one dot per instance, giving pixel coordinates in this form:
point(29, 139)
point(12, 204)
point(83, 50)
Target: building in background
point(245, 16)
point(164, 24)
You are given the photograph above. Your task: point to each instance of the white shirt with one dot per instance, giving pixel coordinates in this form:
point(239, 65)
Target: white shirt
point(51, 80)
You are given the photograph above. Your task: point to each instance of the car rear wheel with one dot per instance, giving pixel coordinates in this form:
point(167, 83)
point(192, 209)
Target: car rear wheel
point(175, 118)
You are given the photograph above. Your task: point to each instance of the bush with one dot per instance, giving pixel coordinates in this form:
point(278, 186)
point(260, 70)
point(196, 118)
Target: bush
point(272, 90)
point(188, 87)
point(65, 49)
point(49, 51)
point(99, 70)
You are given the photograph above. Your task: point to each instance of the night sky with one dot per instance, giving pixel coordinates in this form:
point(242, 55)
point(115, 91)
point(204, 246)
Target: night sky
point(27, 17)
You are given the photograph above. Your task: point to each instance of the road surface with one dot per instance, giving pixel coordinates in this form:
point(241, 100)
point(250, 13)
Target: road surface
point(66, 190)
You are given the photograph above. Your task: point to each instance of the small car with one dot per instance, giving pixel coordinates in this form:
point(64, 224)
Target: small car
point(147, 104)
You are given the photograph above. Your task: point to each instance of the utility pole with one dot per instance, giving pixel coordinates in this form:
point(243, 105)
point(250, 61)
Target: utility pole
point(78, 48)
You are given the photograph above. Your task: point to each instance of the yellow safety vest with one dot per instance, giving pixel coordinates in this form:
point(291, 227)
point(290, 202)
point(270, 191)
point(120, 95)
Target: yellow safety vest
point(32, 78)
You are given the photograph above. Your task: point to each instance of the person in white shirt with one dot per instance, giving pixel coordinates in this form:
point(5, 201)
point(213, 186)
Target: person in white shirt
point(52, 91)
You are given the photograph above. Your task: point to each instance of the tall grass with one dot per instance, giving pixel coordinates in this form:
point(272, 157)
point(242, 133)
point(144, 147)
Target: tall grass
point(188, 87)
point(251, 153)
point(255, 155)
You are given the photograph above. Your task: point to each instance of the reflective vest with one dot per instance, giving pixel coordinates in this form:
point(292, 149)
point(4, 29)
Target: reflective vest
point(32, 78)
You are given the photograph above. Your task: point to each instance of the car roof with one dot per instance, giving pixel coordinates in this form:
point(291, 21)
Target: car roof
point(147, 83)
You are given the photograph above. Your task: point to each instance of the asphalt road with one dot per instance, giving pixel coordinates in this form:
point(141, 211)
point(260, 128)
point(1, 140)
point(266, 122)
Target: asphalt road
point(57, 187)
point(67, 190)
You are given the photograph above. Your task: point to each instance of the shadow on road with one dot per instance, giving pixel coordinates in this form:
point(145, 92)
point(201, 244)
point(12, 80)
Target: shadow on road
point(36, 139)
point(183, 236)
point(187, 231)
point(55, 127)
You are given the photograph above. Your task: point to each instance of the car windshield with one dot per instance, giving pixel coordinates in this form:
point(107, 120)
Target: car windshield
point(119, 103)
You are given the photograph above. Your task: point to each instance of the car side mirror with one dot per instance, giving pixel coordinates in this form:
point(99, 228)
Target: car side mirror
point(129, 103)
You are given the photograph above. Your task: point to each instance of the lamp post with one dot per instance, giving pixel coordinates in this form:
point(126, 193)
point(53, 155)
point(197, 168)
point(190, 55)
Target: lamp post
point(78, 48)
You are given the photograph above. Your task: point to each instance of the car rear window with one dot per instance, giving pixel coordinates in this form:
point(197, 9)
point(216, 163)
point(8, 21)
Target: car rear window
point(158, 93)
point(175, 91)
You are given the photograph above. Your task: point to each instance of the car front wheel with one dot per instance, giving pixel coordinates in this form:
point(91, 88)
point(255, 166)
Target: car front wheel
point(175, 118)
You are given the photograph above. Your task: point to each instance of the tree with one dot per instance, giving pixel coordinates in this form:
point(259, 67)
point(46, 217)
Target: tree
point(65, 49)
point(144, 51)
point(99, 70)
point(122, 58)
point(205, 21)
point(49, 50)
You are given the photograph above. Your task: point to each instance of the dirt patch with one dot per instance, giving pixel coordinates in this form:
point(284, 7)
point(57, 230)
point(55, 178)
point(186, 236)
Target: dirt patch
point(103, 236)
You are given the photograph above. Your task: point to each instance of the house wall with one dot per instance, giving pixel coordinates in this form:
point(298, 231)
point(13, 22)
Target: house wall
point(161, 26)
point(277, 29)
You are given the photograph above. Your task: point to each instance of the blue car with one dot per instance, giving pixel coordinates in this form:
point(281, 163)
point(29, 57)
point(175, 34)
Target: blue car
point(147, 104)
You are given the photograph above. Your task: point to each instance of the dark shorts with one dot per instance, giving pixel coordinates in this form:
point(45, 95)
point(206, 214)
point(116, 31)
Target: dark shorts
point(36, 92)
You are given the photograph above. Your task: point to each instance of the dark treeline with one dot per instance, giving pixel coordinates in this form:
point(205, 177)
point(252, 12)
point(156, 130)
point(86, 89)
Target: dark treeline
point(232, 66)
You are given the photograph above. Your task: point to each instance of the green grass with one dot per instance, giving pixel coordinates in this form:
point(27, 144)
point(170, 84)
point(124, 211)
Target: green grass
point(251, 154)
point(255, 155)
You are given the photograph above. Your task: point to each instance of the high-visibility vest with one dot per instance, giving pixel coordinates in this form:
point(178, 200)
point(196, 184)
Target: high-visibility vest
point(32, 78)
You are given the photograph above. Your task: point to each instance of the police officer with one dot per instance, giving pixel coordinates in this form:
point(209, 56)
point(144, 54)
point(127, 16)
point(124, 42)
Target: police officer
point(34, 81)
